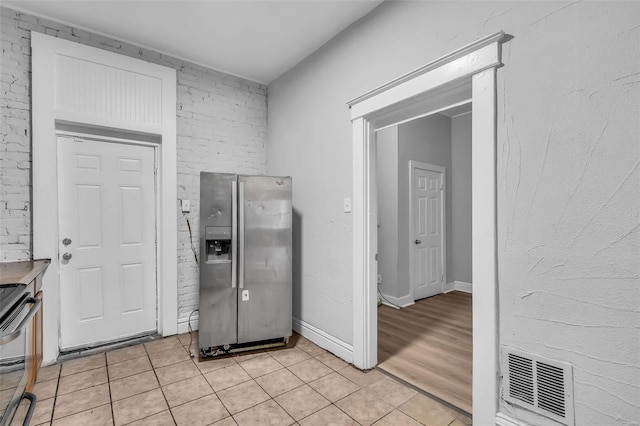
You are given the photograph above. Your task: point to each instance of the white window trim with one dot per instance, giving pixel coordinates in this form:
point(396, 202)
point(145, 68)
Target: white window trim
point(44, 166)
point(476, 62)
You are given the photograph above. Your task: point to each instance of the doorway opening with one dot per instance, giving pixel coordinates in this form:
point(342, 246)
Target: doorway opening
point(423, 174)
point(470, 69)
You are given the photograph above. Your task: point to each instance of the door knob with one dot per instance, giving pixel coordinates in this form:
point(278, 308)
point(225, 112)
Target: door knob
point(66, 241)
point(418, 242)
point(67, 256)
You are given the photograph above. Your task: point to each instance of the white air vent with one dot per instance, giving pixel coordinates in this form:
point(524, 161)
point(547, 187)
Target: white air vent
point(538, 384)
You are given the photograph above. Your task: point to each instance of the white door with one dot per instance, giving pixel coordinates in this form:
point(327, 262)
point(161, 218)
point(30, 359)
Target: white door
point(106, 241)
point(427, 235)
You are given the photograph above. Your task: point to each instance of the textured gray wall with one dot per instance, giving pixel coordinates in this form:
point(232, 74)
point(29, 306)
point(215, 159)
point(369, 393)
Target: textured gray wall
point(221, 126)
point(461, 198)
point(568, 173)
point(387, 184)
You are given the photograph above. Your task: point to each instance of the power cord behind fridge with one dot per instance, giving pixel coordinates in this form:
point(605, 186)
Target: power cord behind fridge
point(193, 248)
point(191, 332)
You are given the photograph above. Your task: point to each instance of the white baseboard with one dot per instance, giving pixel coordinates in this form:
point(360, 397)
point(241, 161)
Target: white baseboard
point(326, 341)
point(183, 324)
point(402, 302)
point(459, 286)
point(504, 420)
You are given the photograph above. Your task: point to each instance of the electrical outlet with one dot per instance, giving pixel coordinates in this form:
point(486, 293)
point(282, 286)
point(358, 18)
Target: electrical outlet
point(347, 205)
point(379, 279)
point(186, 206)
point(245, 295)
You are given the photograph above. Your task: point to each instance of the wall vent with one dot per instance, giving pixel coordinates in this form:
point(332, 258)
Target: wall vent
point(539, 384)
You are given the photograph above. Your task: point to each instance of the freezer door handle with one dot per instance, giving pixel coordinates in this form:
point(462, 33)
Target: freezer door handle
point(241, 236)
point(234, 232)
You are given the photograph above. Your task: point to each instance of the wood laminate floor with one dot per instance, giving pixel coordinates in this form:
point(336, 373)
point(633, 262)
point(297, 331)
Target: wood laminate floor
point(429, 345)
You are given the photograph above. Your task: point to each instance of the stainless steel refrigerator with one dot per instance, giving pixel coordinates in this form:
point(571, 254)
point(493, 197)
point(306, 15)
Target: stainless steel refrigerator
point(245, 263)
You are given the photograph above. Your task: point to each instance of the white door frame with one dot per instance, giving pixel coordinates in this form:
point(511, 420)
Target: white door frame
point(477, 63)
point(443, 223)
point(48, 54)
point(156, 206)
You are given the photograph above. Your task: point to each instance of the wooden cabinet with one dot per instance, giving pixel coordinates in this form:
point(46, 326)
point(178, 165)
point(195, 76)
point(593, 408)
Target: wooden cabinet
point(30, 273)
point(36, 346)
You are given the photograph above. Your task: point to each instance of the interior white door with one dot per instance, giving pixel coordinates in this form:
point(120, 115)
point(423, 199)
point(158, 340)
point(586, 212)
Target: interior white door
point(107, 241)
point(427, 236)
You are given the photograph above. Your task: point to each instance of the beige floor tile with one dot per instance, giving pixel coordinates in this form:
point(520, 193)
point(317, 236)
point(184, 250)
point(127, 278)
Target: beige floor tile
point(309, 347)
point(49, 372)
point(267, 413)
point(163, 418)
point(390, 391)
point(334, 386)
point(279, 382)
point(98, 416)
point(330, 415)
point(201, 412)
point(396, 418)
point(125, 354)
point(171, 356)
point(176, 372)
point(45, 390)
point(332, 361)
point(133, 385)
point(310, 370)
point(162, 345)
point(83, 364)
point(302, 402)
point(242, 396)
point(227, 377)
point(364, 407)
point(184, 338)
point(214, 364)
point(261, 365)
point(83, 380)
point(225, 422)
point(359, 377)
point(43, 411)
point(428, 411)
point(186, 390)
point(138, 407)
point(289, 357)
point(129, 368)
point(457, 422)
point(81, 400)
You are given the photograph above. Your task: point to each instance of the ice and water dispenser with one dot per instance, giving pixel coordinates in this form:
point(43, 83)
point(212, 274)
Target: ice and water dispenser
point(217, 243)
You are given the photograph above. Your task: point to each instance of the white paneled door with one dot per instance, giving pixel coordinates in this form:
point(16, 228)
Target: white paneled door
point(427, 241)
point(107, 241)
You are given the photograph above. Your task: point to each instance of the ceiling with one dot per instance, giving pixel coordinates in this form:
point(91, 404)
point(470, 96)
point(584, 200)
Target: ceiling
point(258, 40)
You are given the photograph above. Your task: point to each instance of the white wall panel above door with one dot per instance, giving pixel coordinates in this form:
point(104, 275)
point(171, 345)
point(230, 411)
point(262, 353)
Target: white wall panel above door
point(91, 89)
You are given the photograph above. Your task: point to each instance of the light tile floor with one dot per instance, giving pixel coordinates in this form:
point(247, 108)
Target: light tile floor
point(158, 383)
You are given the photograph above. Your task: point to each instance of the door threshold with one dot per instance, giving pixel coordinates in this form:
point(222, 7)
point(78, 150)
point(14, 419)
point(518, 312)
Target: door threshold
point(423, 392)
point(97, 348)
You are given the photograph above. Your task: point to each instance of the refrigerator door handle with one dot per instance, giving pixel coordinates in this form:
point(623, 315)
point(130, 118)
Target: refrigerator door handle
point(234, 232)
point(241, 235)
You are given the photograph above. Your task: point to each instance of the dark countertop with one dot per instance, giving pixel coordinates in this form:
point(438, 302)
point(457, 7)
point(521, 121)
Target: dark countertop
point(22, 272)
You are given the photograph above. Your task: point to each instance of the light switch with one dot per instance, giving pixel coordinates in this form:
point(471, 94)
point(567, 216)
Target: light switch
point(186, 206)
point(347, 205)
point(245, 295)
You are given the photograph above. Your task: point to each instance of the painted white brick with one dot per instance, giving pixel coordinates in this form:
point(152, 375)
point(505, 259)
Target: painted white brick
point(221, 126)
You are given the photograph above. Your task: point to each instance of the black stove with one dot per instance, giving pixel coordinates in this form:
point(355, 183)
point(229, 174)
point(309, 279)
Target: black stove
point(10, 296)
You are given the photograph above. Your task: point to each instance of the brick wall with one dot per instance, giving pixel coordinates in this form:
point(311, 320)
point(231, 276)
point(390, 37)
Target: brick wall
point(221, 126)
